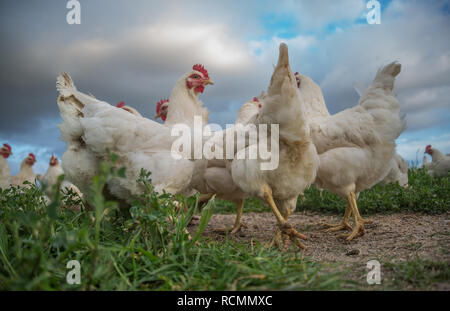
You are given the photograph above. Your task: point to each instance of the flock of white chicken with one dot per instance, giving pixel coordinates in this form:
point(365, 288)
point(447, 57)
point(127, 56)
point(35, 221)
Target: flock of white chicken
point(344, 153)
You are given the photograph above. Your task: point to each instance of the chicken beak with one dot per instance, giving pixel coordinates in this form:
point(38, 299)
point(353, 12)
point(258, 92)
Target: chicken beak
point(158, 115)
point(209, 81)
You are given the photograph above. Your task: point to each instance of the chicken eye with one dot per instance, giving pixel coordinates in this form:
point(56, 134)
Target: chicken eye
point(195, 76)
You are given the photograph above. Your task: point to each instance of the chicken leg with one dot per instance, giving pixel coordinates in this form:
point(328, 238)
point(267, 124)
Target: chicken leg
point(359, 221)
point(237, 222)
point(278, 239)
point(283, 226)
point(344, 225)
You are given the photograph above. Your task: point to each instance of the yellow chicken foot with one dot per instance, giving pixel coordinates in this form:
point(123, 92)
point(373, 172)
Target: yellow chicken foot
point(359, 224)
point(344, 225)
point(365, 221)
point(237, 222)
point(283, 226)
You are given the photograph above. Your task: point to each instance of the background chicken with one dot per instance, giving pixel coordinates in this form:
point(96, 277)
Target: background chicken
point(298, 160)
point(128, 108)
point(50, 178)
point(26, 171)
point(162, 108)
point(217, 176)
point(398, 172)
point(356, 146)
point(5, 171)
point(440, 165)
point(90, 127)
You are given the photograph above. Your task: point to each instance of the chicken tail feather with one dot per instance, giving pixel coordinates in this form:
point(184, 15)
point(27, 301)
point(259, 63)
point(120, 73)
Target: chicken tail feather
point(386, 76)
point(67, 89)
point(64, 85)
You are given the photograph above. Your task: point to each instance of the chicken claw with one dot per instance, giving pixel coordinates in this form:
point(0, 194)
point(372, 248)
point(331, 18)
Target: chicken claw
point(283, 226)
point(344, 225)
point(358, 230)
point(285, 235)
point(231, 230)
point(337, 227)
point(290, 233)
point(365, 221)
point(237, 222)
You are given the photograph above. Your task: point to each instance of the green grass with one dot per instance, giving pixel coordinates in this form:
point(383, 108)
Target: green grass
point(417, 274)
point(148, 248)
point(145, 248)
point(424, 195)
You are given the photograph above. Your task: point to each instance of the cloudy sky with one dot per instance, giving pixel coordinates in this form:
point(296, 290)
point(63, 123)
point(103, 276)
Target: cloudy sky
point(134, 51)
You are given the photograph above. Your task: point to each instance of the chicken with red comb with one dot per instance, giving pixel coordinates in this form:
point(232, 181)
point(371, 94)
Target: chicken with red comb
point(128, 108)
point(5, 171)
point(162, 107)
point(90, 127)
point(50, 178)
point(26, 172)
point(440, 163)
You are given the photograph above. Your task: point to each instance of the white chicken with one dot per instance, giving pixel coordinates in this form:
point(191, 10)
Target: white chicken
point(314, 104)
point(440, 163)
point(90, 127)
point(298, 160)
point(317, 110)
point(128, 108)
point(50, 178)
point(26, 172)
point(5, 171)
point(398, 172)
point(217, 176)
point(356, 146)
point(162, 108)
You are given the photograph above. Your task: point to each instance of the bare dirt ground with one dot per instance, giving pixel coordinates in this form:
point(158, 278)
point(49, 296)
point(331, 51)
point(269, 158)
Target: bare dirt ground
point(391, 238)
point(395, 237)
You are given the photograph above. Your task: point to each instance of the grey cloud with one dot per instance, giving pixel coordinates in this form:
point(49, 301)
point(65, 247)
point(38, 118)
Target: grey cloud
point(119, 53)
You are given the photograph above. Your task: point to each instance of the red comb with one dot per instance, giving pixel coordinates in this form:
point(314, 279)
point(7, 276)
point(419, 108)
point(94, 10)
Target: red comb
point(160, 103)
point(201, 69)
point(296, 73)
point(32, 155)
point(255, 99)
point(120, 105)
point(7, 147)
point(428, 147)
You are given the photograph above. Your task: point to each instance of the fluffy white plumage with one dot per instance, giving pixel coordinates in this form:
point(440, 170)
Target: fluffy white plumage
point(399, 167)
point(356, 146)
point(26, 173)
point(91, 126)
point(440, 163)
point(217, 177)
point(50, 178)
point(298, 160)
point(398, 172)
